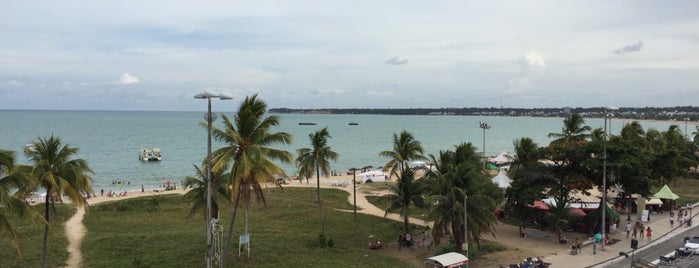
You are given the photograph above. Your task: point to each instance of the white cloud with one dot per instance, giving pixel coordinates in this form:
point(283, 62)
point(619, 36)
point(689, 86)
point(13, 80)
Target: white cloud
point(533, 58)
point(127, 79)
point(328, 91)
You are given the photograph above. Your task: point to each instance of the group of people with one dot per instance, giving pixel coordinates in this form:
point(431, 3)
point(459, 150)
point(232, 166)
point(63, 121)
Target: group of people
point(637, 230)
point(682, 218)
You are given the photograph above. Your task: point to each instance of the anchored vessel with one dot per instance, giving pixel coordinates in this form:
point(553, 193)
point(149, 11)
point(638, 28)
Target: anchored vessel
point(150, 154)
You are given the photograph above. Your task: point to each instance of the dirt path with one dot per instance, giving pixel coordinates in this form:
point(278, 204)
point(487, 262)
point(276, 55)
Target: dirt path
point(75, 232)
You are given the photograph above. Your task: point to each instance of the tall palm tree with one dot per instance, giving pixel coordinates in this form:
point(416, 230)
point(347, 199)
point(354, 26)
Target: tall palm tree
point(405, 193)
point(13, 178)
point(56, 171)
point(315, 160)
point(405, 148)
point(248, 139)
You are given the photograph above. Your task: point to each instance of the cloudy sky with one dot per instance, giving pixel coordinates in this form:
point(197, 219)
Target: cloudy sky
point(155, 55)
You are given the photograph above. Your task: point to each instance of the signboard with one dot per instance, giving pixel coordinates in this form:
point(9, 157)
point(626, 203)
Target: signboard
point(644, 215)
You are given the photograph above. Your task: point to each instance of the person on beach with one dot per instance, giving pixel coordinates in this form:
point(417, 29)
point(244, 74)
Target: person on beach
point(101, 192)
point(143, 190)
point(648, 233)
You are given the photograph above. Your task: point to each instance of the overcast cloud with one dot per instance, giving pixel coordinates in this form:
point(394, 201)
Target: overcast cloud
point(156, 55)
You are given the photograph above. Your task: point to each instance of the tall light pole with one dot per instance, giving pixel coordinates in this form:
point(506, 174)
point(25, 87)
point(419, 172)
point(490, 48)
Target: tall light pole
point(465, 245)
point(604, 175)
point(210, 117)
point(354, 194)
point(484, 126)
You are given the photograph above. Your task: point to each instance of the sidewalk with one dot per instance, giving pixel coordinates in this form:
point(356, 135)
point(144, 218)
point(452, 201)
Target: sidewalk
point(659, 224)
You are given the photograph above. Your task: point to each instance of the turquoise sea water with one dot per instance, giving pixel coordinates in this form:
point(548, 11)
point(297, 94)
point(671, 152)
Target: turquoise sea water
point(110, 140)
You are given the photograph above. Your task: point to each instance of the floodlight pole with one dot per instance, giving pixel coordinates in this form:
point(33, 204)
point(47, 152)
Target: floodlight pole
point(604, 176)
point(354, 194)
point(208, 95)
point(465, 245)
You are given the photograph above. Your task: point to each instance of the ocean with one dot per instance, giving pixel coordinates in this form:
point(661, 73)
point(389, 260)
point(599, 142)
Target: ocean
point(110, 140)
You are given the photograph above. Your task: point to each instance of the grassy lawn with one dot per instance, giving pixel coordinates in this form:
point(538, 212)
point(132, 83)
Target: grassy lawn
point(31, 240)
point(156, 232)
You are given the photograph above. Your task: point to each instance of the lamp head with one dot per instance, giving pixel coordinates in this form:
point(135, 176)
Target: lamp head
point(206, 94)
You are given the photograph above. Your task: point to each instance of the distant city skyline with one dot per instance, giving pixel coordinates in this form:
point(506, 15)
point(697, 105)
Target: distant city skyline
point(156, 55)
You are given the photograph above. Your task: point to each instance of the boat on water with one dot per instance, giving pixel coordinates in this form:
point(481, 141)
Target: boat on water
point(150, 154)
point(307, 124)
point(353, 123)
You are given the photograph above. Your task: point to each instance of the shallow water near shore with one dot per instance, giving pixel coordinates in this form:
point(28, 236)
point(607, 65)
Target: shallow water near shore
point(110, 140)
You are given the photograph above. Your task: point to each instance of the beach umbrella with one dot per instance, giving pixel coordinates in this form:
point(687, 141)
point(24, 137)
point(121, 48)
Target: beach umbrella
point(577, 212)
point(539, 205)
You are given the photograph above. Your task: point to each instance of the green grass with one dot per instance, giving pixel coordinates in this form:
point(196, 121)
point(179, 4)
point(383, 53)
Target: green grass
point(156, 232)
point(31, 239)
point(417, 213)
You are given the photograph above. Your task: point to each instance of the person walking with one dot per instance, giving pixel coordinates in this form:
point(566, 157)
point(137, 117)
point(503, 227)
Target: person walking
point(672, 220)
point(628, 229)
point(648, 233)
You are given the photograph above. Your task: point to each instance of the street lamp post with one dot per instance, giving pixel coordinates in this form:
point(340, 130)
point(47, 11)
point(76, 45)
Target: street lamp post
point(604, 175)
point(484, 126)
point(208, 95)
point(465, 245)
point(354, 194)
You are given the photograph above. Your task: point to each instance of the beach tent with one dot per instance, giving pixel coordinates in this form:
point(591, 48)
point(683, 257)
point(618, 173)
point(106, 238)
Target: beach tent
point(373, 176)
point(502, 158)
point(666, 193)
point(502, 180)
point(448, 260)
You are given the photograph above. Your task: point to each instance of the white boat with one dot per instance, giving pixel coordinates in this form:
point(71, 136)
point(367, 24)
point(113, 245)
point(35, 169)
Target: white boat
point(150, 154)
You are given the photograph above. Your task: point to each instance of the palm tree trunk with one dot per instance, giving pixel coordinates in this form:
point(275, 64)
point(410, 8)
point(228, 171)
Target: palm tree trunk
point(406, 224)
point(46, 230)
point(230, 229)
point(320, 209)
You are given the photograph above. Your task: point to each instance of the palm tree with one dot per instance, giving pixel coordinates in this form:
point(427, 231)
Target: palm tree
point(247, 140)
point(13, 178)
point(574, 128)
point(55, 170)
point(315, 160)
point(405, 193)
point(405, 148)
point(197, 194)
point(460, 173)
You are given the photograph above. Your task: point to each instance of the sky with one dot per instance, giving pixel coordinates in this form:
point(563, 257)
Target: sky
point(156, 55)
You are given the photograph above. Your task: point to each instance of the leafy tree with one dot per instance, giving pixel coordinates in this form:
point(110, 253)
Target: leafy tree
point(530, 178)
point(247, 140)
point(459, 173)
point(567, 154)
point(405, 148)
point(315, 160)
point(55, 170)
point(405, 193)
point(13, 178)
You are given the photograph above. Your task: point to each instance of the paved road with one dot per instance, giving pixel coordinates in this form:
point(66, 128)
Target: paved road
point(652, 253)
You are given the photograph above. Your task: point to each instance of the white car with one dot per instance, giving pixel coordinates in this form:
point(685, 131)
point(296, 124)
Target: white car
point(692, 244)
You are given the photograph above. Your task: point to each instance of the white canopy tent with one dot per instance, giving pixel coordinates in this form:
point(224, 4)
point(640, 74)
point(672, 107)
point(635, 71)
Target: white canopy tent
point(503, 158)
point(502, 180)
point(448, 260)
point(373, 176)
